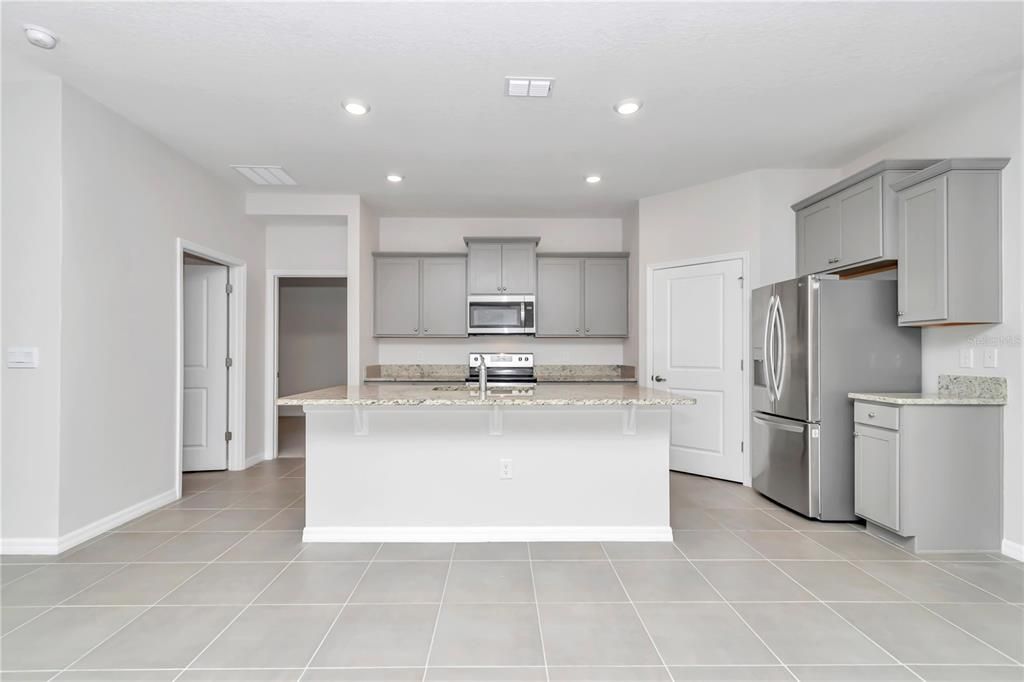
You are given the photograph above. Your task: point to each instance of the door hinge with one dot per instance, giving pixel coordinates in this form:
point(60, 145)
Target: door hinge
point(227, 435)
point(228, 288)
point(741, 364)
point(228, 363)
point(741, 446)
point(740, 278)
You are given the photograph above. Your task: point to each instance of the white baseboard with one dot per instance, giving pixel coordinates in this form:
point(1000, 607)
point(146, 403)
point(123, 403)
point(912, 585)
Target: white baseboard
point(487, 534)
point(50, 546)
point(1014, 550)
point(253, 460)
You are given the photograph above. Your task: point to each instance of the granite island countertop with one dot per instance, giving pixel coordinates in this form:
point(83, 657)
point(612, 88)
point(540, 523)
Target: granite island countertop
point(440, 394)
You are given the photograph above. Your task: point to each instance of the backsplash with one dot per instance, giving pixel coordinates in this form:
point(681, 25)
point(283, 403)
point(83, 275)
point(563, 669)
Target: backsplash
point(966, 386)
point(449, 372)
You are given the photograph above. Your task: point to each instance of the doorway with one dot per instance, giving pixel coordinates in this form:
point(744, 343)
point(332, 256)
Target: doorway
point(311, 348)
point(697, 348)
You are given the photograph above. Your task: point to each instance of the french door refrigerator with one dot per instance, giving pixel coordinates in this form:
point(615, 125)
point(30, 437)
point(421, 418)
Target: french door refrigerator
point(815, 339)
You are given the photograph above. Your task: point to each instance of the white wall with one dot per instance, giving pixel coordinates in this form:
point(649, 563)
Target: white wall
point(312, 335)
point(295, 245)
point(631, 244)
point(446, 234)
point(991, 127)
point(31, 307)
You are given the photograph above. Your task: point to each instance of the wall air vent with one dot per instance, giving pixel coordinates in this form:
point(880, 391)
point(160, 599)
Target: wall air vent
point(265, 175)
point(528, 87)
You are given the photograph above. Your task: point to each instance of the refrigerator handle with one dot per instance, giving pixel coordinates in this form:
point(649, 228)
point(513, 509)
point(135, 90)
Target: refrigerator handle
point(780, 380)
point(769, 348)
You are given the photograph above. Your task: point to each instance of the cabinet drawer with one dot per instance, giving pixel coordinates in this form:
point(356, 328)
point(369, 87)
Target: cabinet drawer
point(882, 416)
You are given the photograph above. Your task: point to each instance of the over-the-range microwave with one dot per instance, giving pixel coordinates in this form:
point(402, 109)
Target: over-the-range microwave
point(501, 314)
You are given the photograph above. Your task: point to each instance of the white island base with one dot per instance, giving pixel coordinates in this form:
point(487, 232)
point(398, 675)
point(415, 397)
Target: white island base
point(487, 473)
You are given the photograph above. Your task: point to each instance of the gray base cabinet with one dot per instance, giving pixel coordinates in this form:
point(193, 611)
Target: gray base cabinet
point(929, 476)
point(583, 295)
point(506, 266)
point(419, 295)
point(950, 259)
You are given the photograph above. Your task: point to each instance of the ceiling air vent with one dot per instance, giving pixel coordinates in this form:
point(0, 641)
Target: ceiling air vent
point(266, 175)
point(528, 87)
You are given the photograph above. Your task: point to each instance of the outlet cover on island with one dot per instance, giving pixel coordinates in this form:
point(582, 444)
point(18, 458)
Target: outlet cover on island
point(991, 357)
point(967, 357)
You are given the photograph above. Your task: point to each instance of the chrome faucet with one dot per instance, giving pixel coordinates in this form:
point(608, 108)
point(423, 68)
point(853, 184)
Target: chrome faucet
point(483, 376)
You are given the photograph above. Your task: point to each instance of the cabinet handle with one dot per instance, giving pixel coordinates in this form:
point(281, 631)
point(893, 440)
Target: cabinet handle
point(856, 435)
point(577, 330)
point(899, 313)
point(426, 331)
point(871, 415)
point(416, 329)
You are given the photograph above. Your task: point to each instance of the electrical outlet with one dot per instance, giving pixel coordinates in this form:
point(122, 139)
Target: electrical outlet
point(505, 468)
point(991, 357)
point(967, 357)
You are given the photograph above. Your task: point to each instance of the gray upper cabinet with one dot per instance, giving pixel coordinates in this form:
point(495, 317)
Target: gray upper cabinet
point(443, 296)
point(419, 295)
point(502, 266)
point(950, 269)
point(583, 294)
point(853, 222)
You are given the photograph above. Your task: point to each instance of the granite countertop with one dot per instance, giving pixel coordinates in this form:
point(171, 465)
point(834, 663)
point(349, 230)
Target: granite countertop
point(954, 389)
point(438, 394)
point(621, 374)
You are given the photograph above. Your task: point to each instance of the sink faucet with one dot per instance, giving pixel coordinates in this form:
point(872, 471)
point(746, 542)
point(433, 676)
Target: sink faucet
point(483, 376)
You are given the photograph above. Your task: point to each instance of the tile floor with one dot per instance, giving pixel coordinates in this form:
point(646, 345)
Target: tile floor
point(218, 586)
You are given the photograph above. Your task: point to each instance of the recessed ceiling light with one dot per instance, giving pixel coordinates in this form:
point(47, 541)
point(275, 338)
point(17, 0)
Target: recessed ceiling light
point(40, 37)
point(394, 177)
point(628, 107)
point(357, 108)
point(593, 179)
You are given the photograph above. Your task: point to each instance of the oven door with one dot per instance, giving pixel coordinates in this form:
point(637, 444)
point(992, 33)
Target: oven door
point(499, 315)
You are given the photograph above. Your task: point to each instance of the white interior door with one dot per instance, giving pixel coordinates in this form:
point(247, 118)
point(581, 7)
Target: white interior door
point(205, 393)
point(698, 351)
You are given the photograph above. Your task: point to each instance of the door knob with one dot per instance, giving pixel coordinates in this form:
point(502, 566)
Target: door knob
point(659, 378)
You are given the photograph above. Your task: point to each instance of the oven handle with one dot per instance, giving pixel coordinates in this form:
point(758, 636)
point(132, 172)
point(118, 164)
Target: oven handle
point(522, 314)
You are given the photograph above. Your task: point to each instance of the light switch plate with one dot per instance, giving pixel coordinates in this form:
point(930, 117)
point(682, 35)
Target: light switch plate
point(991, 357)
point(967, 357)
point(22, 357)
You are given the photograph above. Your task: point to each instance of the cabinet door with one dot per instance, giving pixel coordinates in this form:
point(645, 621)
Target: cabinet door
point(606, 297)
point(518, 268)
point(444, 297)
point(484, 268)
point(559, 297)
point(396, 297)
point(860, 221)
point(923, 296)
point(818, 240)
point(876, 463)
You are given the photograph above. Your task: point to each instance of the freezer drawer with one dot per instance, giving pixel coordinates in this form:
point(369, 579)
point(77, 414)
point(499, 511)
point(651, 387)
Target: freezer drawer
point(784, 457)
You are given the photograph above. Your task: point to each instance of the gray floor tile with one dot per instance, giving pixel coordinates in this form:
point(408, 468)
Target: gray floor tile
point(194, 547)
point(162, 637)
point(236, 519)
point(798, 522)
point(53, 584)
point(730, 673)
point(276, 546)
point(507, 674)
point(969, 673)
point(923, 582)
point(225, 584)
point(643, 551)
point(116, 675)
point(576, 581)
point(169, 520)
point(241, 675)
point(595, 634)
point(379, 635)
point(338, 551)
point(26, 676)
point(752, 581)
point(489, 581)
point(712, 544)
point(270, 637)
point(860, 546)
point(691, 518)
point(118, 547)
point(664, 581)
point(1001, 625)
point(786, 544)
point(270, 499)
point(59, 636)
point(746, 519)
point(1005, 580)
point(838, 581)
point(364, 674)
point(810, 634)
point(314, 583)
point(287, 519)
point(416, 551)
point(652, 673)
point(9, 572)
point(558, 551)
point(15, 616)
point(402, 581)
point(913, 635)
point(858, 673)
point(209, 500)
point(492, 551)
point(702, 634)
point(138, 584)
point(487, 635)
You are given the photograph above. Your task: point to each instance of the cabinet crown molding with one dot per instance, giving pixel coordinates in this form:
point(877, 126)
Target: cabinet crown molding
point(501, 240)
point(947, 165)
point(859, 176)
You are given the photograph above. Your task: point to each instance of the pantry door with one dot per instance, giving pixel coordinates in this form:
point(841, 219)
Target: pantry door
point(697, 350)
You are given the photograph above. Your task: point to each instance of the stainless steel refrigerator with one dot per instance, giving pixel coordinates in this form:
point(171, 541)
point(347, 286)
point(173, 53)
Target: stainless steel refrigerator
point(815, 339)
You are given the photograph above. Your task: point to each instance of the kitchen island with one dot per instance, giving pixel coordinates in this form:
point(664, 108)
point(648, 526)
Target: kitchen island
point(441, 463)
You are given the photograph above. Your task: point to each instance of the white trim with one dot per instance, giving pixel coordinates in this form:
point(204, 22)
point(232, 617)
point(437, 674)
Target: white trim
point(270, 344)
point(51, 546)
point(253, 460)
point(238, 277)
point(487, 534)
point(1012, 549)
point(744, 257)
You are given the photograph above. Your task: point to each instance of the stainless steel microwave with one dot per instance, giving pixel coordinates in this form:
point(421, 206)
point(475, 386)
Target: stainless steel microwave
point(501, 314)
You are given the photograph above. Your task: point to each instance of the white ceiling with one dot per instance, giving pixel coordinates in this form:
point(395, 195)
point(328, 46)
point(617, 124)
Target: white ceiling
point(727, 87)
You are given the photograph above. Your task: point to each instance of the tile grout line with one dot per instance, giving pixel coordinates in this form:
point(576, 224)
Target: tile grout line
point(440, 606)
point(337, 617)
point(536, 603)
